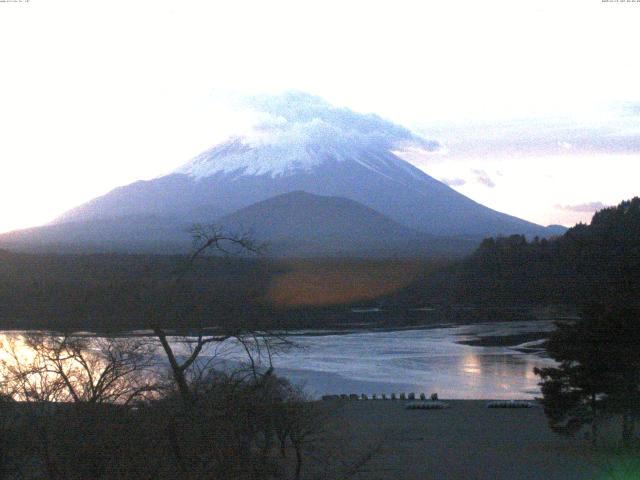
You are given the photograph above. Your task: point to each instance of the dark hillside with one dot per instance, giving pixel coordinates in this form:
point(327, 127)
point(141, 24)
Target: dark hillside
point(585, 265)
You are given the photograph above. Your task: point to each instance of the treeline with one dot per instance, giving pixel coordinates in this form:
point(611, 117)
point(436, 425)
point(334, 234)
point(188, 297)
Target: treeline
point(589, 264)
point(114, 292)
point(126, 291)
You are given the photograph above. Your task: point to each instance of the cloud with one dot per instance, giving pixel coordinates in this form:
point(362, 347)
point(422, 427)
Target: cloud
point(303, 118)
point(483, 178)
point(614, 129)
point(589, 207)
point(632, 108)
point(453, 182)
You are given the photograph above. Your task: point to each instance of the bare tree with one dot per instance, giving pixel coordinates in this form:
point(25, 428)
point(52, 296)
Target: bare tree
point(40, 367)
point(299, 424)
point(24, 375)
point(205, 238)
point(98, 376)
point(180, 369)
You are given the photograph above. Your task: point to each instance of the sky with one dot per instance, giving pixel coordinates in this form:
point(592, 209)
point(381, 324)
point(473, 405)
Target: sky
point(536, 105)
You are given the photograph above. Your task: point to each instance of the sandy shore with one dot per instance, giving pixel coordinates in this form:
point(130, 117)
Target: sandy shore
point(466, 441)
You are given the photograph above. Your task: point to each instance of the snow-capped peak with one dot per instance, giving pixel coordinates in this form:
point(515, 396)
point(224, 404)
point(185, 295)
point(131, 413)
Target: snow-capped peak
point(296, 131)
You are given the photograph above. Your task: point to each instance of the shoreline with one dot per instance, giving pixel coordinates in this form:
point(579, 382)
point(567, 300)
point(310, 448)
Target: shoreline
point(346, 329)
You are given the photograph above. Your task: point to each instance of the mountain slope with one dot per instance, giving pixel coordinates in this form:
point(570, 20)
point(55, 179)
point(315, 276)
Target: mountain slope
point(295, 224)
point(300, 144)
point(302, 224)
point(130, 234)
point(395, 188)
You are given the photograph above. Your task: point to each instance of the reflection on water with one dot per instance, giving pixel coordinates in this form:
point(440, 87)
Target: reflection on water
point(425, 360)
point(428, 360)
point(45, 367)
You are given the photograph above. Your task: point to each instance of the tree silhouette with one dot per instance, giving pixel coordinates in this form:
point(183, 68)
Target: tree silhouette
point(599, 371)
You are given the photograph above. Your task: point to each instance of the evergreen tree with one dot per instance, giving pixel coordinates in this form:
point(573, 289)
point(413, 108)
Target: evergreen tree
point(598, 372)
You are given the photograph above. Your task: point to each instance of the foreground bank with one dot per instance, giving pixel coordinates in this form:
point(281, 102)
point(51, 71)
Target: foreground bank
point(466, 441)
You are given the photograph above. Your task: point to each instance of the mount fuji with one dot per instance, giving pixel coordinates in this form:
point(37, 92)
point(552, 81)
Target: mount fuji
point(299, 143)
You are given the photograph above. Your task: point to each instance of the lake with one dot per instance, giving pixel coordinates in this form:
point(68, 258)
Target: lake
point(423, 360)
point(472, 361)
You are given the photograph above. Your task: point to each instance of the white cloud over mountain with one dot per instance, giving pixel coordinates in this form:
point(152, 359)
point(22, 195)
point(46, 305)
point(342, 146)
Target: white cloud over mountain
point(293, 130)
point(297, 116)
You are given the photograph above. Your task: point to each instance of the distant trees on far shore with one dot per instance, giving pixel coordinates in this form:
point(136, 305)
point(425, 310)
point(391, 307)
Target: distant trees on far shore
point(594, 263)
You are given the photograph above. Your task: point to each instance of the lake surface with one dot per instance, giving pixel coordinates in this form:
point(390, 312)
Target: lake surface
point(423, 360)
